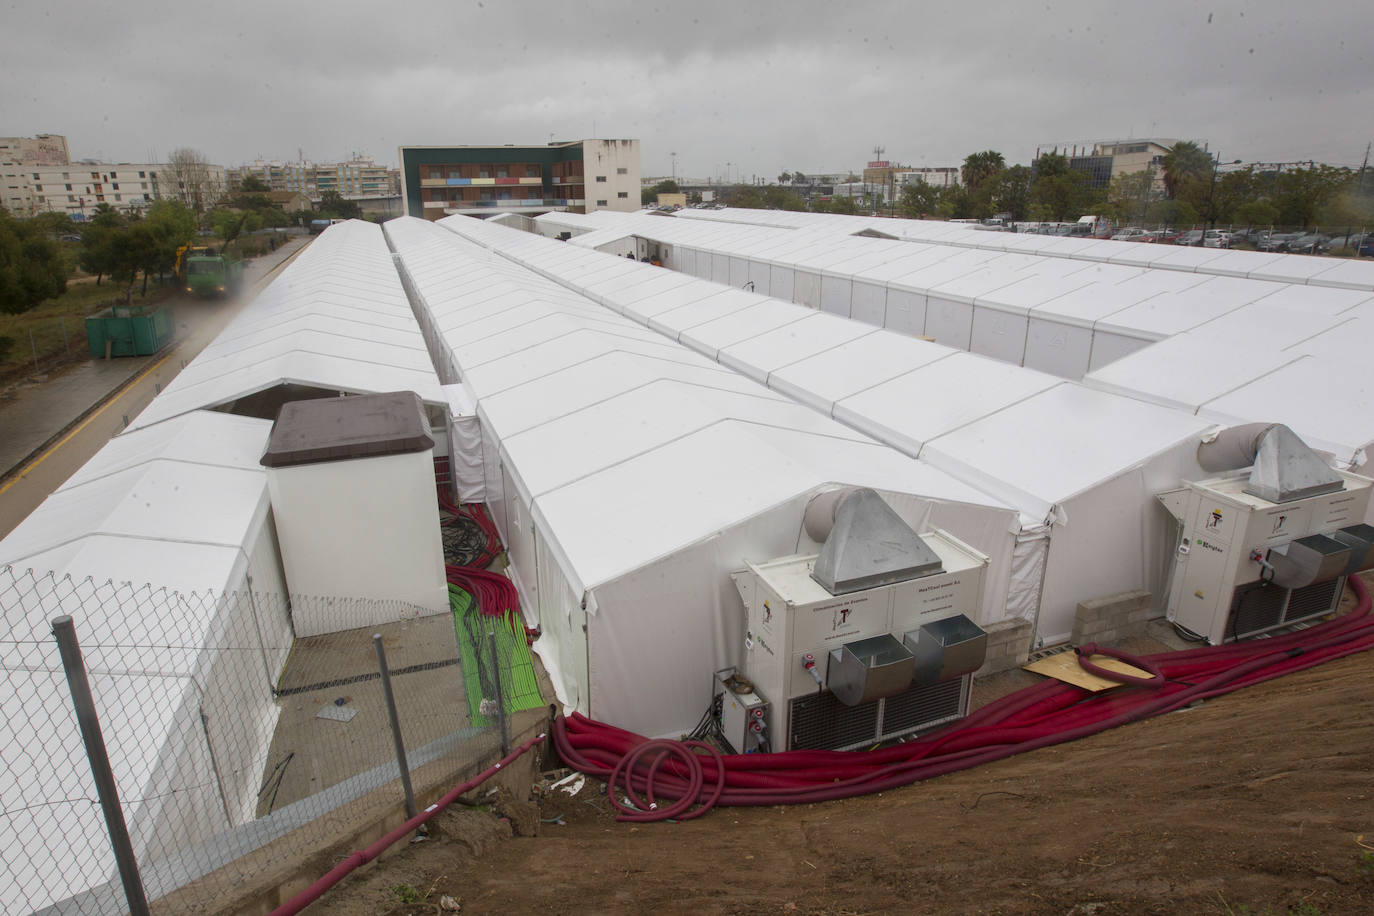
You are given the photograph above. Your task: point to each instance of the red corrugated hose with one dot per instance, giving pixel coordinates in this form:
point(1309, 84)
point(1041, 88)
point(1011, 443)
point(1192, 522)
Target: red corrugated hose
point(1051, 712)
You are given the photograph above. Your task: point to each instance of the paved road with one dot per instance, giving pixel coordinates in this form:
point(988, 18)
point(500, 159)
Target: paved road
point(54, 426)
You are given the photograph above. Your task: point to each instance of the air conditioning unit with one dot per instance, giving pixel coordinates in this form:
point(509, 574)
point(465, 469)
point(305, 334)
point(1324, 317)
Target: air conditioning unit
point(1268, 547)
point(871, 639)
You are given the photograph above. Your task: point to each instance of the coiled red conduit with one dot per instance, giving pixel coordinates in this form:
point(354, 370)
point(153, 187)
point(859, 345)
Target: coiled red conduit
point(1048, 713)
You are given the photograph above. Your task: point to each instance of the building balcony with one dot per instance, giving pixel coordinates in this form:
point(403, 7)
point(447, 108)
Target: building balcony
point(456, 206)
point(477, 182)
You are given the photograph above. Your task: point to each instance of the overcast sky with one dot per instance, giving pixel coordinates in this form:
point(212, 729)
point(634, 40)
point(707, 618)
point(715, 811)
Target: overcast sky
point(762, 86)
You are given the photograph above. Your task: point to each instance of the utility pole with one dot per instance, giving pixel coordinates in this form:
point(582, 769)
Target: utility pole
point(1359, 186)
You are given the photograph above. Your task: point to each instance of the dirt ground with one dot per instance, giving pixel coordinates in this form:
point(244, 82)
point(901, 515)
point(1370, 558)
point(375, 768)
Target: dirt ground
point(1257, 802)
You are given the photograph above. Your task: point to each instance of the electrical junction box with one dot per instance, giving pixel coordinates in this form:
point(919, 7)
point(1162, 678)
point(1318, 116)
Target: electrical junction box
point(841, 670)
point(742, 713)
point(1244, 565)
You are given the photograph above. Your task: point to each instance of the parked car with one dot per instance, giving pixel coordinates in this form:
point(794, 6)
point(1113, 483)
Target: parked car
point(1311, 243)
point(1168, 236)
point(1216, 238)
point(1276, 241)
point(1192, 237)
point(1366, 247)
point(1130, 234)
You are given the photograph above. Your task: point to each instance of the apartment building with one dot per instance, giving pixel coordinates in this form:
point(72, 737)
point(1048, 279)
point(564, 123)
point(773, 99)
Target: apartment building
point(43, 149)
point(355, 179)
point(580, 175)
point(1103, 160)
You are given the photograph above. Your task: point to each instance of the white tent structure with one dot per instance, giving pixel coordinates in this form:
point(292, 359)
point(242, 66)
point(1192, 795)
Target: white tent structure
point(1060, 315)
point(1309, 270)
point(630, 475)
point(180, 501)
point(336, 320)
point(187, 713)
point(1095, 458)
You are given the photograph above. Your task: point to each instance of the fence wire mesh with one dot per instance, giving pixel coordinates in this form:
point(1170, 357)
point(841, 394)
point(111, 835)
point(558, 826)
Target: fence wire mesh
point(225, 732)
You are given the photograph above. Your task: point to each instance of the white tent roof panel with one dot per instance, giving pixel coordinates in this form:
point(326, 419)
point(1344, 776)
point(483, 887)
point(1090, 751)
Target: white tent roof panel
point(845, 370)
point(938, 397)
point(814, 333)
point(1032, 458)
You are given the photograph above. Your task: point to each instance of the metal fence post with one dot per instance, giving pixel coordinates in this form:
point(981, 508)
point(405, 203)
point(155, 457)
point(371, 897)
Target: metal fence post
point(395, 725)
point(34, 347)
point(500, 700)
point(65, 632)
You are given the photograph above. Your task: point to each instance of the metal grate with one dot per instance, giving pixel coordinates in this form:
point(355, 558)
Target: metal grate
point(1255, 606)
point(821, 721)
point(1313, 600)
point(923, 707)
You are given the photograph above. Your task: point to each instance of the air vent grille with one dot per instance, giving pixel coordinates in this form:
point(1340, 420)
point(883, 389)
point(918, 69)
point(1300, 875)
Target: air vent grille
point(1313, 600)
point(819, 721)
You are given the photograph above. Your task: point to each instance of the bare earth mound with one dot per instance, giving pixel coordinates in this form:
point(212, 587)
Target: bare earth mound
point(1261, 802)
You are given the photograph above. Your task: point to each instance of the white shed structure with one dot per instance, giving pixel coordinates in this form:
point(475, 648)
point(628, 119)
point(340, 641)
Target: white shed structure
point(630, 475)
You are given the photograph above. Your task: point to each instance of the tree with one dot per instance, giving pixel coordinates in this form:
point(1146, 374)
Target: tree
point(979, 167)
point(666, 186)
point(252, 184)
point(230, 224)
point(196, 184)
point(919, 199)
point(1186, 162)
point(335, 206)
point(31, 266)
point(1129, 195)
point(784, 178)
point(1010, 192)
point(1058, 192)
point(798, 178)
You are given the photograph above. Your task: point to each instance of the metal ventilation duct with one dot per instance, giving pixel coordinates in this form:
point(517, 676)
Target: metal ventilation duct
point(1286, 469)
point(869, 546)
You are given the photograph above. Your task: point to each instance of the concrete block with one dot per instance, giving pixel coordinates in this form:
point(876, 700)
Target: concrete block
point(1008, 646)
point(1111, 618)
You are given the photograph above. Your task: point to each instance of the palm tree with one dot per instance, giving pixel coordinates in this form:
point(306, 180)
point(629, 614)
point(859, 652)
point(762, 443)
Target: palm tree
point(1186, 160)
point(979, 167)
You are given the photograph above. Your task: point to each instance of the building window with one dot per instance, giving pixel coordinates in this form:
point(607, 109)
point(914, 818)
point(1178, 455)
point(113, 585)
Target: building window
point(503, 173)
point(115, 186)
point(119, 197)
point(531, 171)
point(601, 203)
point(71, 198)
point(622, 171)
point(114, 175)
point(35, 176)
point(484, 173)
point(38, 187)
point(142, 175)
point(66, 175)
point(623, 194)
point(69, 187)
point(601, 178)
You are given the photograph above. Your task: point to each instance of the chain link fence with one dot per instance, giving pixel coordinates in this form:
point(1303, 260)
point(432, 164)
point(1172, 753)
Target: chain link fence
point(234, 747)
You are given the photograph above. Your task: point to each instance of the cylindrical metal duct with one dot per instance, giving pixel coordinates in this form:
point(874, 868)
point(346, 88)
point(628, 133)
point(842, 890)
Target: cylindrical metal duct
point(820, 512)
point(1233, 448)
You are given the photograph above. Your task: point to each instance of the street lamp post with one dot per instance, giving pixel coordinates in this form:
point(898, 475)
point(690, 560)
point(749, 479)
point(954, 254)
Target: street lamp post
point(1210, 221)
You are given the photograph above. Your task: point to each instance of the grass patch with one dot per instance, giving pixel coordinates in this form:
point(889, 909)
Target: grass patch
point(58, 327)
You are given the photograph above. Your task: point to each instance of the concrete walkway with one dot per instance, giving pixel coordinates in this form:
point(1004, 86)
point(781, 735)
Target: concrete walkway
point(40, 420)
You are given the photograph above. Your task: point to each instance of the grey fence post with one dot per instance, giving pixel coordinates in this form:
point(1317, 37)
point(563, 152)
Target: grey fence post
point(395, 725)
point(65, 632)
point(34, 347)
point(500, 700)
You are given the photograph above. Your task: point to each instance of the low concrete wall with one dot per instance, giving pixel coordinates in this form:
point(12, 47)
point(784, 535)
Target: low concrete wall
point(1112, 618)
point(1008, 646)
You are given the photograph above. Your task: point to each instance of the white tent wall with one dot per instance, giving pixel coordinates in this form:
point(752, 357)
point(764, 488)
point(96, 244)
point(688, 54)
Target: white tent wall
point(1289, 268)
point(191, 661)
point(53, 849)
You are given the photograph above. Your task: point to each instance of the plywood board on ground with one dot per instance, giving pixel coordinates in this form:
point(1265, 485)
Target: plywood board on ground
point(1064, 667)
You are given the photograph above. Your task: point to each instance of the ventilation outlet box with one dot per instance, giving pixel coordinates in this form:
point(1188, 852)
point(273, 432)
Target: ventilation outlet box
point(1244, 565)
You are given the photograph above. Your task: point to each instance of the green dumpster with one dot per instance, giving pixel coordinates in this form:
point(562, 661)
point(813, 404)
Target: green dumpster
point(129, 330)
